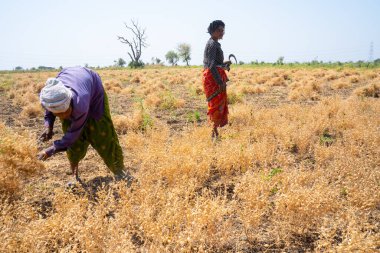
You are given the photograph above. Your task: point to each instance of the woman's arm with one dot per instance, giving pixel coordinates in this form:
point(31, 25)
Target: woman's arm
point(49, 123)
point(49, 119)
point(212, 64)
point(78, 120)
point(72, 134)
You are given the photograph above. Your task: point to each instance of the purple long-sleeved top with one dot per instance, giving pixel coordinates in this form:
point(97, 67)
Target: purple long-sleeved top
point(87, 102)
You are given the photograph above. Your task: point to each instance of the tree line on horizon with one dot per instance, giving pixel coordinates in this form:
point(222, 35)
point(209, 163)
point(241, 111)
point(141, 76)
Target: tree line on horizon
point(121, 63)
point(136, 41)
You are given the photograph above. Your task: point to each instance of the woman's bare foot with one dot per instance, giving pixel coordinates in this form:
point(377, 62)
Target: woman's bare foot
point(215, 134)
point(74, 170)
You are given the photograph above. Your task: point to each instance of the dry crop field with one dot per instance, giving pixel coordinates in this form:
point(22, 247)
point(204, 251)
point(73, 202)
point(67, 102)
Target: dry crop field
point(296, 169)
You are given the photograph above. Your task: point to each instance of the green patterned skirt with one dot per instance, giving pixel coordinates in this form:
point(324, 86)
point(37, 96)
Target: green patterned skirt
point(102, 136)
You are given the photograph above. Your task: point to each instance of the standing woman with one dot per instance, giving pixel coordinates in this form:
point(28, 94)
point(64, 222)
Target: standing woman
point(215, 78)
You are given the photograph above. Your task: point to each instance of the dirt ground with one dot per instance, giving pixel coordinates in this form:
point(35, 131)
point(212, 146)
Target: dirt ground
point(176, 119)
point(94, 174)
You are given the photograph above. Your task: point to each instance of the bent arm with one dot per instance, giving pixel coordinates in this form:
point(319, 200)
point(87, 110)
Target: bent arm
point(49, 119)
point(70, 137)
point(214, 71)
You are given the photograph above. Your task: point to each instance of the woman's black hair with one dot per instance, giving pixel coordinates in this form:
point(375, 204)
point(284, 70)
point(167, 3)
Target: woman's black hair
point(214, 25)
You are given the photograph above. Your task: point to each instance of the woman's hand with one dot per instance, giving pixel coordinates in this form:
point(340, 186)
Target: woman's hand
point(43, 155)
point(47, 134)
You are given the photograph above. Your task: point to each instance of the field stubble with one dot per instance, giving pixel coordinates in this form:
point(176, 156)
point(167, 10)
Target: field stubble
point(297, 169)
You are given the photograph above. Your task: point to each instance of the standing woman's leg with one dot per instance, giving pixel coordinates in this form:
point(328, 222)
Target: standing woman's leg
point(217, 106)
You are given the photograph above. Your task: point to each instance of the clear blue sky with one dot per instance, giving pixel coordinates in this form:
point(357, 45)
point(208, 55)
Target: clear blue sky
point(66, 33)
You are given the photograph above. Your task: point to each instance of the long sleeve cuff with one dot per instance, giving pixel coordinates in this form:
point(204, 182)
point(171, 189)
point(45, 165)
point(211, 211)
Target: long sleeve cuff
point(50, 151)
point(49, 123)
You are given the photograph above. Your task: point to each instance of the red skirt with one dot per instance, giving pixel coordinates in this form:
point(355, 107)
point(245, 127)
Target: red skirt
point(217, 106)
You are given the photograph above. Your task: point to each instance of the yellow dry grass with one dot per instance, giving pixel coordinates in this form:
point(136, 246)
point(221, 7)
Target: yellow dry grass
point(17, 162)
point(299, 176)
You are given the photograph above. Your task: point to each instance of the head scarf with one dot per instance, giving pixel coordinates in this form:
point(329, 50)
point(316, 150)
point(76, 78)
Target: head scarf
point(55, 96)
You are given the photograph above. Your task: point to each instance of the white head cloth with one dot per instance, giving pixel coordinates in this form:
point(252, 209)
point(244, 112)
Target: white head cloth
point(55, 96)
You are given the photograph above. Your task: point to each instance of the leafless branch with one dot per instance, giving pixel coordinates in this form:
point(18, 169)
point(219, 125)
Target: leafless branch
point(136, 42)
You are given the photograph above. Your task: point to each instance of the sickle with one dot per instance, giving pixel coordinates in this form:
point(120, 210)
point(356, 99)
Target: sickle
point(232, 56)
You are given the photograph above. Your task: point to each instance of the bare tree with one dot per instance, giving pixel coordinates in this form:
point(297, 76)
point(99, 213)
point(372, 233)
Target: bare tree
point(136, 43)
